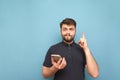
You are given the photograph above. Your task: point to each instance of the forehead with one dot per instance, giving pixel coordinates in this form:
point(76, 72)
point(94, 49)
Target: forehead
point(68, 26)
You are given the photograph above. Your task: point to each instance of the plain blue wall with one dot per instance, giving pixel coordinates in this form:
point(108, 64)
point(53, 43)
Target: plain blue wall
point(29, 27)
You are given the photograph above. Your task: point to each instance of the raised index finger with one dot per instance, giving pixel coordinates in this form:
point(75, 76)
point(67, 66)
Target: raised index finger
point(83, 35)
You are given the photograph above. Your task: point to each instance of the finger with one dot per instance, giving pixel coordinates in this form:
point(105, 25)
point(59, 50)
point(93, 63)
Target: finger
point(59, 61)
point(63, 63)
point(83, 35)
point(60, 66)
point(52, 59)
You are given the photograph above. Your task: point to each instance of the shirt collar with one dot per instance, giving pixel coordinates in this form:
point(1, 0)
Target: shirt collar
point(73, 43)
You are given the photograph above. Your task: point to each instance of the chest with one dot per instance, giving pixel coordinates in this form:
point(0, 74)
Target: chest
point(72, 54)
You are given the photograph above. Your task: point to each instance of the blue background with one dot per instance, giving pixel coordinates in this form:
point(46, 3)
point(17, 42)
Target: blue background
point(29, 27)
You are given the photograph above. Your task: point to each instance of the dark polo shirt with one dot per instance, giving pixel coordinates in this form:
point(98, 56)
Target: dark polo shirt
point(75, 58)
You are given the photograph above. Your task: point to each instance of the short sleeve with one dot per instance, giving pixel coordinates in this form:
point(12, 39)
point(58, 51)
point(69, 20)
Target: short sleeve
point(47, 61)
point(84, 57)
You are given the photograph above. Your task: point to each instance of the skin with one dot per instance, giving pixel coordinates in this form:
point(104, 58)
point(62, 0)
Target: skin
point(68, 33)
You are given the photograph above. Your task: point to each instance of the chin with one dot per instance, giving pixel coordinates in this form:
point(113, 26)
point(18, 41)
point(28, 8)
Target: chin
point(68, 40)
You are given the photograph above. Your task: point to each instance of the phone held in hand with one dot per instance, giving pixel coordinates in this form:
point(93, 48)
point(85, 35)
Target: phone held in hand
point(56, 57)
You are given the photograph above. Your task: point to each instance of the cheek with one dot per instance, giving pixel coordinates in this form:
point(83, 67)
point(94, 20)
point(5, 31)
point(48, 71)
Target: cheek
point(63, 33)
point(73, 33)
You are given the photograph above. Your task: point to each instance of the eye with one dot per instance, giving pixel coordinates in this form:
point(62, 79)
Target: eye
point(64, 29)
point(71, 29)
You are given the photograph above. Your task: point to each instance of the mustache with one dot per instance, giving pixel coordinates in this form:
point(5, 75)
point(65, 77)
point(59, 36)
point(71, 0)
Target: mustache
point(67, 35)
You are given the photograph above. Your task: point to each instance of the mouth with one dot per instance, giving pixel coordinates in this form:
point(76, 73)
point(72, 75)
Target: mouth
point(67, 35)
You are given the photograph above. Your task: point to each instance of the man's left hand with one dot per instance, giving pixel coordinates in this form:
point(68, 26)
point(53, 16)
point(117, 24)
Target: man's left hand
point(82, 42)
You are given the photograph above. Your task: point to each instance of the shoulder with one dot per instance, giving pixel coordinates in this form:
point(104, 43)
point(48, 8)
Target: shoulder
point(77, 46)
point(55, 46)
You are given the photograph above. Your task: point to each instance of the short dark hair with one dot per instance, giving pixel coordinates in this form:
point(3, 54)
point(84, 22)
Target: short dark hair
point(68, 21)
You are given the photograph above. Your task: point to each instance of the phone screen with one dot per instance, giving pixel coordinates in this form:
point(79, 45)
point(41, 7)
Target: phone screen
point(56, 57)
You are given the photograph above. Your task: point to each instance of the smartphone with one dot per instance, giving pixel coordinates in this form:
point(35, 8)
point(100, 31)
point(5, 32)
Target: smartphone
point(56, 57)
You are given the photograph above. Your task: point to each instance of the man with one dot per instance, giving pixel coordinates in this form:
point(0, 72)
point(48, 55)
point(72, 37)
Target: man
point(75, 56)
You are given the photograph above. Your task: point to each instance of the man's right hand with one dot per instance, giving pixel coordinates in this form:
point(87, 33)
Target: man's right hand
point(61, 64)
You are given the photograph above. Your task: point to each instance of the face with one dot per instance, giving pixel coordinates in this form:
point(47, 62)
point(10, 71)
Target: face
point(68, 32)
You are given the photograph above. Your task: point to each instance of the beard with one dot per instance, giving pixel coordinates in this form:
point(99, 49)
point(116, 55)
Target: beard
point(68, 38)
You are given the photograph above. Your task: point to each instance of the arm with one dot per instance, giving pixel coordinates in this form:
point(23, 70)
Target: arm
point(91, 65)
point(48, 71)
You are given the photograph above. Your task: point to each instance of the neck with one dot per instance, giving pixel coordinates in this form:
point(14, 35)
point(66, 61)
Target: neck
point(68, 42)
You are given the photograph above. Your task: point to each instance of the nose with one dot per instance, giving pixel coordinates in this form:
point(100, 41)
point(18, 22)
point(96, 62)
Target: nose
point(68, 31)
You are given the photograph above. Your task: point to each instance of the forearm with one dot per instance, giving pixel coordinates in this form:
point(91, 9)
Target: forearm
point(91, 65)
point(48, 71)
